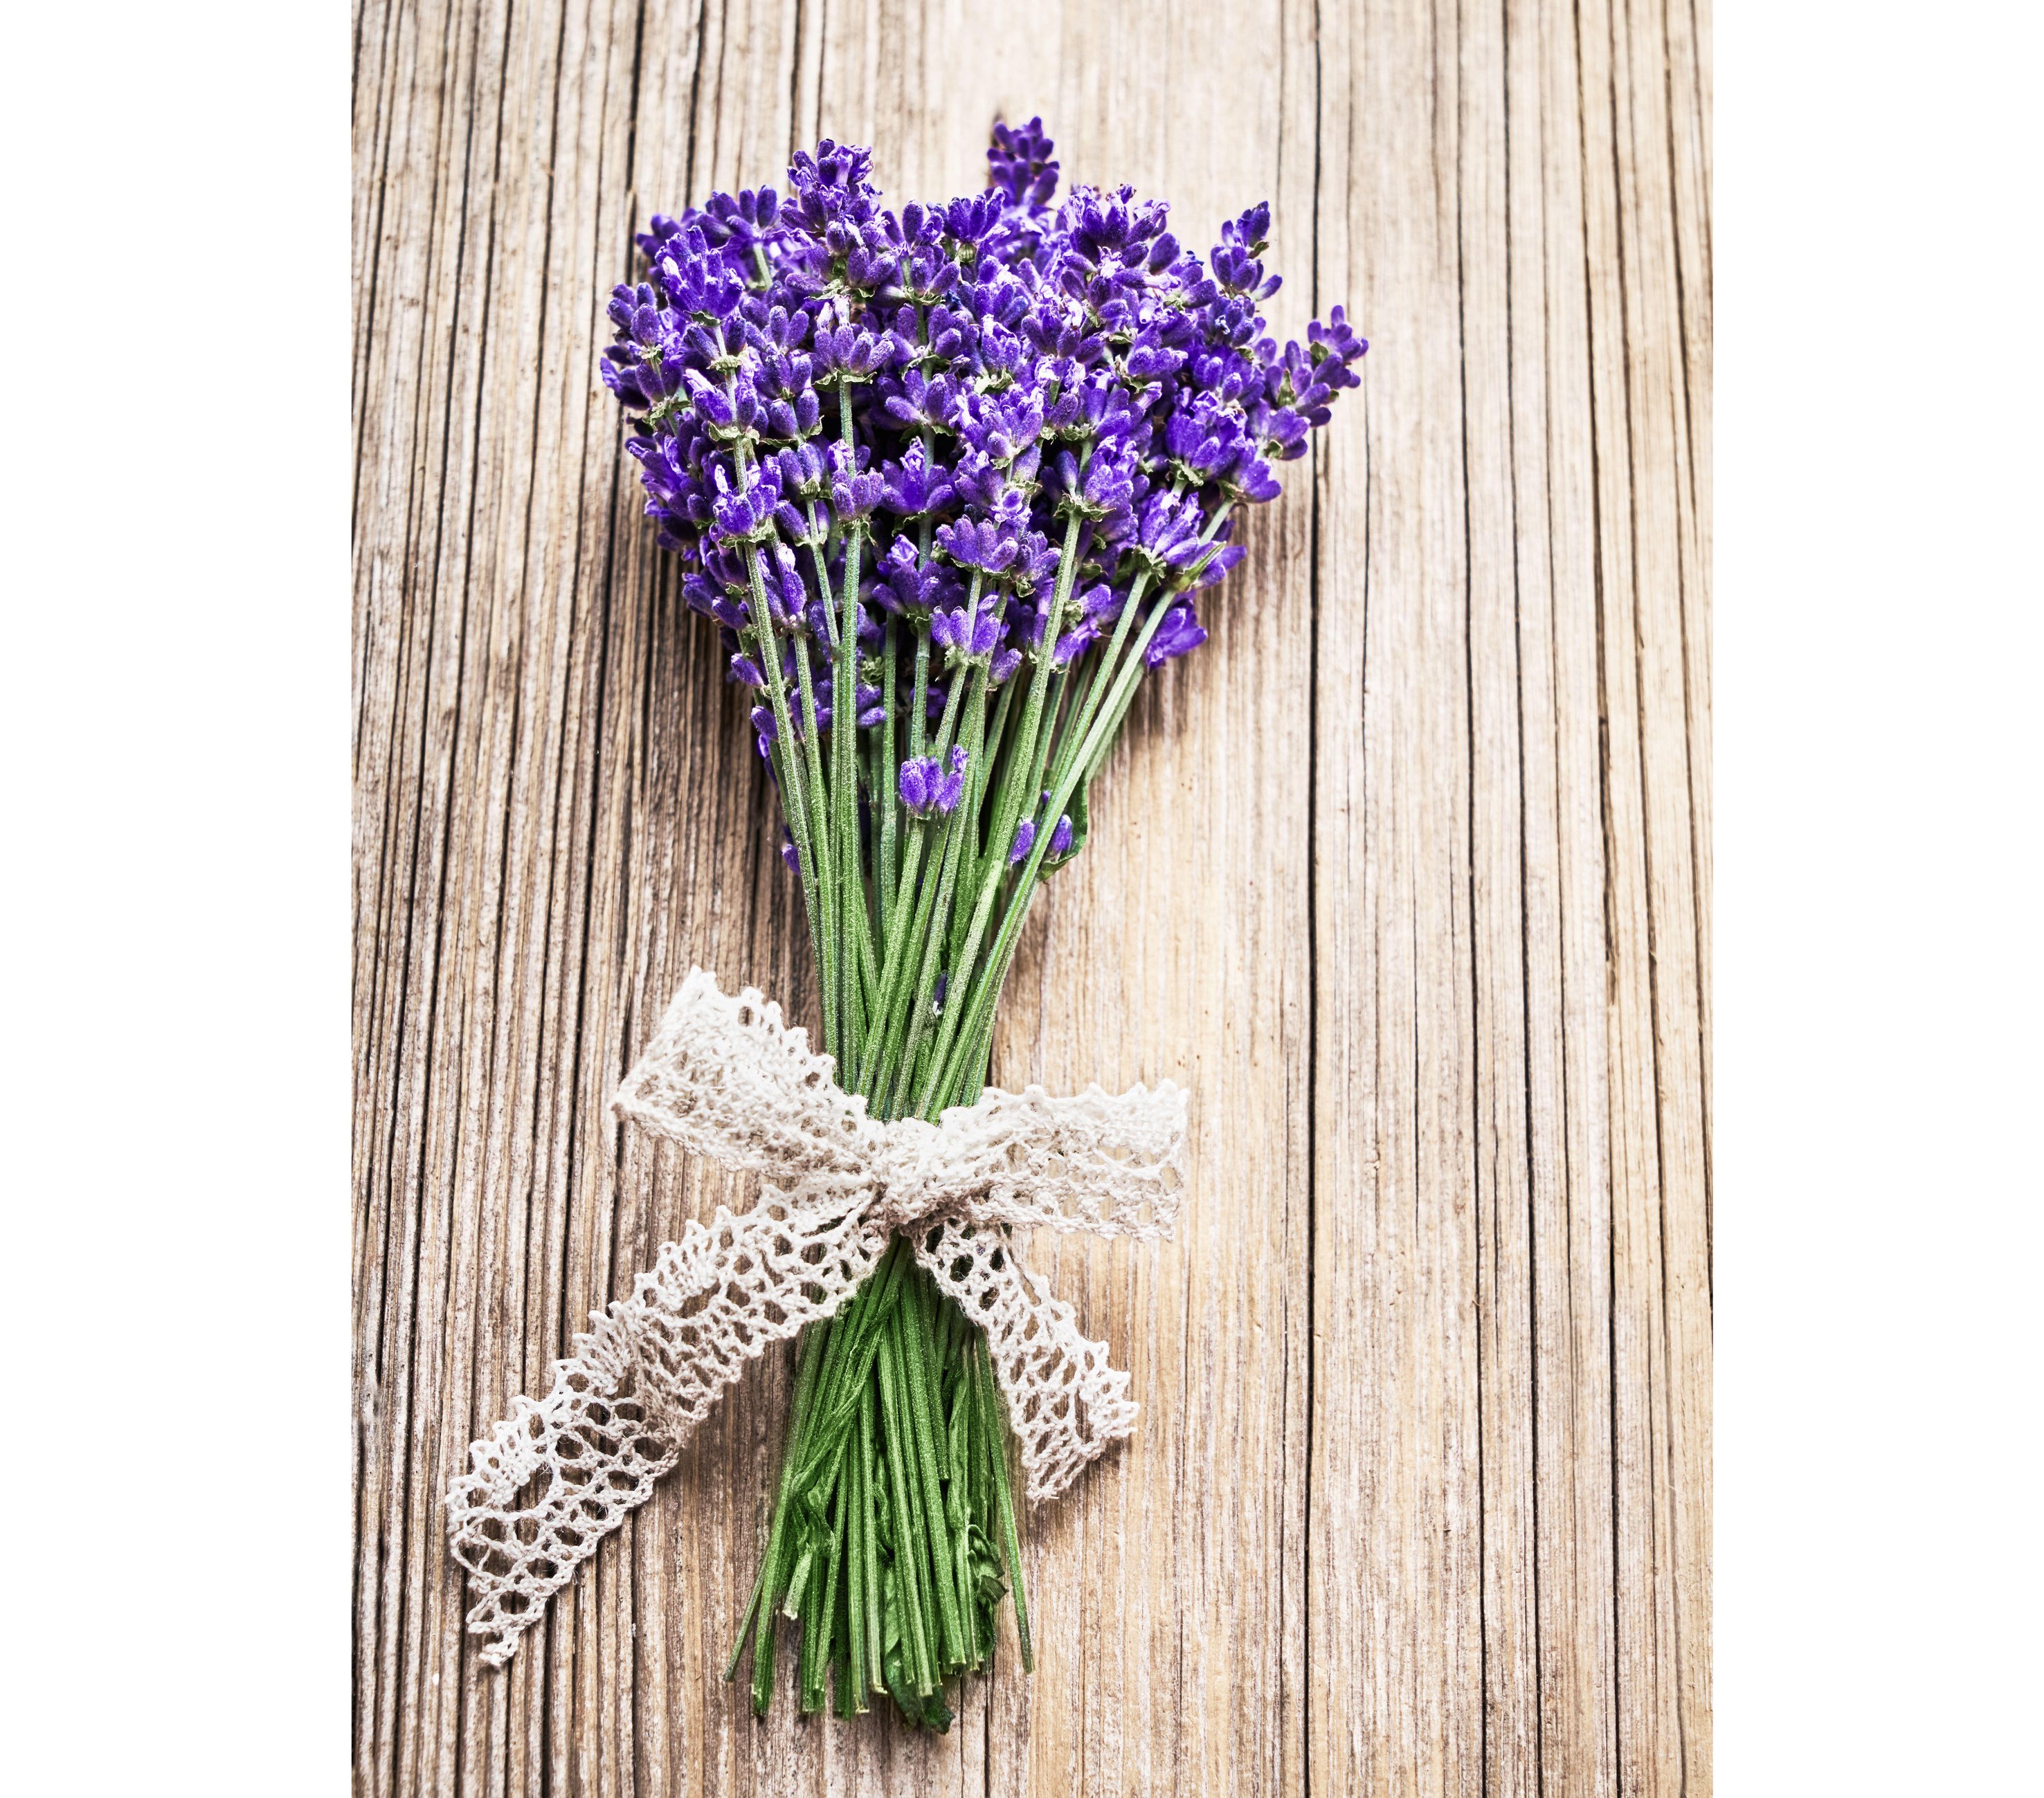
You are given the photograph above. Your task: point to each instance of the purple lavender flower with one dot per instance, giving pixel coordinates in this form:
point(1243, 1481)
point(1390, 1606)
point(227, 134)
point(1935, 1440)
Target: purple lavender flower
point(1003, 427)
point(787, 597)
point(1179, 633)
point(1104, 491)
point(916, 484)
point(928, 790)
point(984, 547)
point(1036, 561)
point(1251, 480)
point(742, 222)
point(917, 785)
point(854, 492)
point(970, 633)
point(1020, 165)
point(1075, 643)
point(951, 788)
point(1025, 838)
point(744, 512)
point(1218, 564)
point(915, 402)
point(832, 186)
point(1203, 442)
point(1236, 270)
point(850, 354)
point(1337, 338)
point(910, 586)
point(697, 279)
point(732, 417)
point(1031, 367)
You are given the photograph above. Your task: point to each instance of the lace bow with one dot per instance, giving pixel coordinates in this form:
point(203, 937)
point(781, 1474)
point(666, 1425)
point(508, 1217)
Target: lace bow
point(725, 1078)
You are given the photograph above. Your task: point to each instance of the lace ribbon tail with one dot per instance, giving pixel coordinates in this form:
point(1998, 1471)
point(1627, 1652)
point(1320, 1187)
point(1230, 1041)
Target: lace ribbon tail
point(1066, 1404)
point(553, 1480)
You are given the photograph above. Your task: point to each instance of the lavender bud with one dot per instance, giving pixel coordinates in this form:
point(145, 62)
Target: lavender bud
point(950, 790)
point(920, 785)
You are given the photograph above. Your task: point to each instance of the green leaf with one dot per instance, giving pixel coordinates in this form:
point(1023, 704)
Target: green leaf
point(989, 1586)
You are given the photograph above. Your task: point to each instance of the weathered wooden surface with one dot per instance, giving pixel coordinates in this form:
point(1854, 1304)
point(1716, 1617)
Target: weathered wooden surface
point(1407, 874)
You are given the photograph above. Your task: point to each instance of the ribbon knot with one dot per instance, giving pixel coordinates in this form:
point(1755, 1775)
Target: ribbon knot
point(726, 1078)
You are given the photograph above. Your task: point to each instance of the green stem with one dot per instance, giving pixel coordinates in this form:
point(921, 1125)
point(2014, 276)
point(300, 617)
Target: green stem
point(933, 942)
point(846, 1375)
point(906, 906)
point(907, 1572)
point(844, 731)
point(858, 1524)
point(870, 1593)
point(823, 1617)
point(970, 1058)
point(793, 798)
point(887, 1007)
point(886, 795)
point(994, 1435)
point(974, 857)
point(914, 1324)
point(918, 717)
point(997, 739)
point(985, 993)
point(1104, 672)
point(1007, 805)
point(812, 760)
point(806, 1357)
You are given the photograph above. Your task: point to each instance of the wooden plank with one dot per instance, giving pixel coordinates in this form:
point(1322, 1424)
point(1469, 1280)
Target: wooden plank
point(1567, 1083)
point(1396, 1643)
point(405, 516)
point(1421, 1495)
point(1660, 1369)
point(1656, 375)
point(1506, 1385)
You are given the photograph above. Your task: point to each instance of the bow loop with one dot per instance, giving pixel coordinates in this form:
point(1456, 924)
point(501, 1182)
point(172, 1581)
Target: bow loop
point(727, 1078)
point(1111, 1166)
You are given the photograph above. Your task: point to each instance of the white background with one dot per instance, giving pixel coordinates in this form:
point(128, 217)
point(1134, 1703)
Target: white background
point(175, 490)
point(1879, 664)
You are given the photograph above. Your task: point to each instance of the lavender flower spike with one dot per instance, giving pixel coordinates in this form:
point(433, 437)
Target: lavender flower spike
point(926, 791)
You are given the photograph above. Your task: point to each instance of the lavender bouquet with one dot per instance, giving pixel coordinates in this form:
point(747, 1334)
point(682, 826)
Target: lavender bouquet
point(947, 483)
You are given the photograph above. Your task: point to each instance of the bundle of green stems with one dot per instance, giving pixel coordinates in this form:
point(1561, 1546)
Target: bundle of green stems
point(895, 1532)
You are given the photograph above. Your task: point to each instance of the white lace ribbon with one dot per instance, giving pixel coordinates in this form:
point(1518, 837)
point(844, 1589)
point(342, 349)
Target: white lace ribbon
point(725, 1078)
